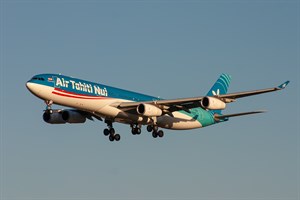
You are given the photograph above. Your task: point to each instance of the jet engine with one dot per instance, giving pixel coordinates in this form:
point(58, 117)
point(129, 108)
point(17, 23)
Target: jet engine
point(213, 103)
point(62, 117)
point(53, 118)
point(148, 110)
point(73, 116)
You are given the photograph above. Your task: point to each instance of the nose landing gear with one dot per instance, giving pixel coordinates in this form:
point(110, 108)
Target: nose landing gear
point(48, 107)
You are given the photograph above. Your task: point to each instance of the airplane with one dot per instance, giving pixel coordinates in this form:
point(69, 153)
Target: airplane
point(89, 100)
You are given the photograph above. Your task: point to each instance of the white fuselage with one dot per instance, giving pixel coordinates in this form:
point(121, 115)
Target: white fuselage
point(102, 108)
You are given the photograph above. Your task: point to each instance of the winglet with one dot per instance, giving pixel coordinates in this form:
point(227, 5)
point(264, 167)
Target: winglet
point(283, 85)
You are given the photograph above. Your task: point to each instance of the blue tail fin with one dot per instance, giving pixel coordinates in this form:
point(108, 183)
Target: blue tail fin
point(220, 87)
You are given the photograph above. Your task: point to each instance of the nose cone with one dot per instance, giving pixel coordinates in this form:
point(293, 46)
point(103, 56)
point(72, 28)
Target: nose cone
point(30, 86)
point(33, 88)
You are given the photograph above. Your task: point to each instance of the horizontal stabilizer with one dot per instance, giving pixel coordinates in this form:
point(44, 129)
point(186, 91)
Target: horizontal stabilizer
point(224, 117)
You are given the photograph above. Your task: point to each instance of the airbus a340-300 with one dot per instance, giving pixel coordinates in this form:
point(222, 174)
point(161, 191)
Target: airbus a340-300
point(89, 100)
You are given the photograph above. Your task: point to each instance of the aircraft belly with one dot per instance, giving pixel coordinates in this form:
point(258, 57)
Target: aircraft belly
point(178, 121)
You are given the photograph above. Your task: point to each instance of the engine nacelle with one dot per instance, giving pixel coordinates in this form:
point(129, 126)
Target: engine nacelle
point(73, 116)
point(53, 118)
point(212, 103)
point(148, 110)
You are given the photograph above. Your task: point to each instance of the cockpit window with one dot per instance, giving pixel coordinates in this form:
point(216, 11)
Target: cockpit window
point(38, 78)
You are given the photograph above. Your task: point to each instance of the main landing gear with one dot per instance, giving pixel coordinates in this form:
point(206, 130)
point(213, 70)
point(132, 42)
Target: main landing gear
point(110, 131)
point(136, 129)
point(155, 132)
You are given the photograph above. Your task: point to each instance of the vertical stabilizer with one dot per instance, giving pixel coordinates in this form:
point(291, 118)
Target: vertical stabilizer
point(220, 87)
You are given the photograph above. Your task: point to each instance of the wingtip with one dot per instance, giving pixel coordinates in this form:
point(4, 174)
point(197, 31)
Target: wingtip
point(261, 111)
point(283, 85)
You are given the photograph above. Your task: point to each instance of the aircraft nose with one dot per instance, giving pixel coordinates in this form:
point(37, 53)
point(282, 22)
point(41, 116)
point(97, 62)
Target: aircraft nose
point(29, 86)
point(33, 88)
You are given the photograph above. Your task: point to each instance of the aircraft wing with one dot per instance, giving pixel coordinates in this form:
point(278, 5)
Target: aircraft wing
point(224, 117)
point(254, 92)
point(171, 104)
point(185, 104)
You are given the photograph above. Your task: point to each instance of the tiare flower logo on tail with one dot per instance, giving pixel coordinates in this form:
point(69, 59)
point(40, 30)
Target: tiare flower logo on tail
point(216, 93)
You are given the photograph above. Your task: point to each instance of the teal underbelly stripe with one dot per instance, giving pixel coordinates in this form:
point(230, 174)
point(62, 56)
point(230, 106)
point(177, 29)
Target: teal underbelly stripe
point(203, 116)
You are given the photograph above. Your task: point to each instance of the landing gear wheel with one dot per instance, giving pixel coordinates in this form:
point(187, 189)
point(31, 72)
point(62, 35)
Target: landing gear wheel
point(154, 134)
point(149, 128)
point(112, 131)
point(133, 131)
point(111, 138)
point(160, 133)
point(136, 131)
point(106, 132)
point(117, 137)
point(49, 111)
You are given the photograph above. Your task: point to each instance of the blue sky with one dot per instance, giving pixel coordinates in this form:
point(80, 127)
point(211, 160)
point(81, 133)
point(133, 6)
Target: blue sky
point(169, 49)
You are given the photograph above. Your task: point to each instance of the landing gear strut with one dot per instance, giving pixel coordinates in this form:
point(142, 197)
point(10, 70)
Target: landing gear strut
point(48, 107)
point(155, 132)
point(110, 131)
